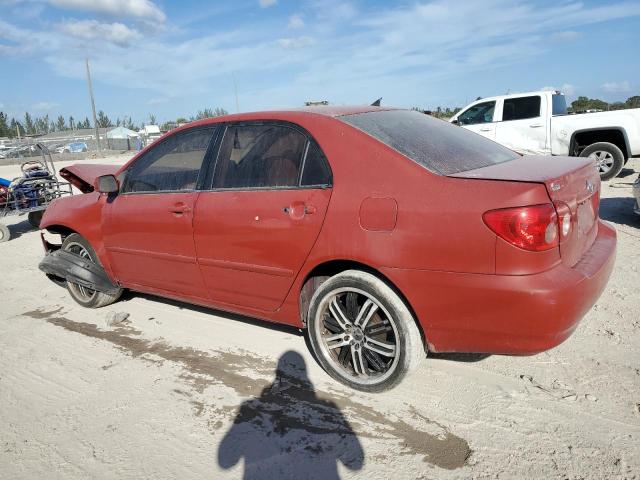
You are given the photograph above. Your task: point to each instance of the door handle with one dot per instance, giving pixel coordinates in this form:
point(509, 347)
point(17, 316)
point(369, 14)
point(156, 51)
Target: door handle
point(485, 129)
point(299, 210)
point(179, 209)
point(535, 125)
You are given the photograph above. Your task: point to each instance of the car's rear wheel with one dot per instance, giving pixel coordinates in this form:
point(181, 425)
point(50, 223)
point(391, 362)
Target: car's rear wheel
point(608, 157)
point(85, 296)
point(362, 333)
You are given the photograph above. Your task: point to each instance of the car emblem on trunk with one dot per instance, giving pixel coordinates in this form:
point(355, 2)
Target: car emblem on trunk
point(555, 187)
point(590, 187)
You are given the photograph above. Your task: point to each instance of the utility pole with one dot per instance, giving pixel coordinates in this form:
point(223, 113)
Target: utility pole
point(18, 131)
point(93, 107)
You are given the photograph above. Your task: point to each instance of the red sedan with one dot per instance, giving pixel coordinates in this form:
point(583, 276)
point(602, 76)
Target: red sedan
point(385, 233)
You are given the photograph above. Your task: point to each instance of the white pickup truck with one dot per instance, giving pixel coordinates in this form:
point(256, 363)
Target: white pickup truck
point(538, 123)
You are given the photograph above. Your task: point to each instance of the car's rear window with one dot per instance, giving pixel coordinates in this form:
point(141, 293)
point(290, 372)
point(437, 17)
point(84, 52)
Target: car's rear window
point(438, 146)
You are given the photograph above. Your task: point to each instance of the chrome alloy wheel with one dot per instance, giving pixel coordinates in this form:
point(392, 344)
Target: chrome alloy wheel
point(357, 336)
point(604, 161)
point(84, 293)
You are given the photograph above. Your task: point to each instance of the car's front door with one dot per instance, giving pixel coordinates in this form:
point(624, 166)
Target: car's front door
point(148, 231)
point(522, 125)
point(260, 217)
point(479, 118)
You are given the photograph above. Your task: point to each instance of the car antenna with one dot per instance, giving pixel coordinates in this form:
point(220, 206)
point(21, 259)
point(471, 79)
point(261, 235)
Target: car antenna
point(377, 102)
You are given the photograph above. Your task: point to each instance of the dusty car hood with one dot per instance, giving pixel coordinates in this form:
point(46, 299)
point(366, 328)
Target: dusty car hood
point(82, 176)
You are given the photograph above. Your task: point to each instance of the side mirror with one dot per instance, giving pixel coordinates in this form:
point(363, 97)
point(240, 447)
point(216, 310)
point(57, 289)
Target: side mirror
point(455, 122)
point(107, 184)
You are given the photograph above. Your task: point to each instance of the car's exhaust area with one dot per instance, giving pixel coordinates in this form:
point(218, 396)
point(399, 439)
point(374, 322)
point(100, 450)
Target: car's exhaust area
point(61, 264)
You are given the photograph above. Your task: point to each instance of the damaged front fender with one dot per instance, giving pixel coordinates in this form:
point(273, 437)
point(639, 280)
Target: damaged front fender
point(75, 269)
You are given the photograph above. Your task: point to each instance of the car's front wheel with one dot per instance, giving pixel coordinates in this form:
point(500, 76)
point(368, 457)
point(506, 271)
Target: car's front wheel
point(362, 333)
point(85, 296)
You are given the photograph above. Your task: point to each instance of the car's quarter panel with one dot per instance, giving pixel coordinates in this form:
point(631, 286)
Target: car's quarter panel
point(149, 241)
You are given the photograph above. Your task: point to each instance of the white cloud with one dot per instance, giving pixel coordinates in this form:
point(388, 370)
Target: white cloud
point(44, 106)
point(566, 36)
point(139, 9)
point(116, 33)
point(295, 21)
point(157, 101)
point(267, 3)
point(295, 42)
point(617, 87)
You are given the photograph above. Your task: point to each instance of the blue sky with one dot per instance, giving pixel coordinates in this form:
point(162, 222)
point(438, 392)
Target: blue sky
point(174, 58)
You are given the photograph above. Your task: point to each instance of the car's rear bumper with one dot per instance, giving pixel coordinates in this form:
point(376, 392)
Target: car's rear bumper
point(517, 314)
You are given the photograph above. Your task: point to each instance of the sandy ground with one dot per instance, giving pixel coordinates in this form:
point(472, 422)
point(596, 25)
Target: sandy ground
point(176, 391)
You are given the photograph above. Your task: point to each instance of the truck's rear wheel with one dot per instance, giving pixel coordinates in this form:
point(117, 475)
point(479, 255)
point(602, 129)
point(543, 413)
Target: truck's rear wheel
point(608, 157)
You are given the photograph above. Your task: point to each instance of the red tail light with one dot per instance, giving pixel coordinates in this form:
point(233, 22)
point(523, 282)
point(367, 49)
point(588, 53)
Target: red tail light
point(533, 228)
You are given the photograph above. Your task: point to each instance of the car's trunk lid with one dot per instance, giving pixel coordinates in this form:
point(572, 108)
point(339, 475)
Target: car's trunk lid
point(573, 181)
point(83, 176)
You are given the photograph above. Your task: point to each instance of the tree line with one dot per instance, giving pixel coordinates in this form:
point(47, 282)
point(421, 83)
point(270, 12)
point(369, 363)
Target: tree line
point(32, 125)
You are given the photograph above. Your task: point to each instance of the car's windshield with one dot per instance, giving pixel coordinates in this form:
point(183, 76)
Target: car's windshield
point(438, 146)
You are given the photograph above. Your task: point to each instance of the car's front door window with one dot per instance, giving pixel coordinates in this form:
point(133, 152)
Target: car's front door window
point(479, 113)
point(171, 166)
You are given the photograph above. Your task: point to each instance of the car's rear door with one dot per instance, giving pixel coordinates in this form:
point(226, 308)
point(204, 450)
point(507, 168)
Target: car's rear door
point(148, 231)
point(256, 223)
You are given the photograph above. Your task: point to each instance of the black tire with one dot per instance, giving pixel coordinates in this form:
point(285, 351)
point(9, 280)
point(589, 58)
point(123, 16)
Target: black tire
point(365, 362)
point(35, 218)
point(84, 296)
point(609, 159)
point(5, 233)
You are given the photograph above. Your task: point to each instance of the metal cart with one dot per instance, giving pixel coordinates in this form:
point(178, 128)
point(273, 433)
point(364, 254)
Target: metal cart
point(31, 193)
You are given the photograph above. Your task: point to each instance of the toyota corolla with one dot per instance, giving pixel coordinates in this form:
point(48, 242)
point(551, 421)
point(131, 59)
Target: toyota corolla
point(385, 233)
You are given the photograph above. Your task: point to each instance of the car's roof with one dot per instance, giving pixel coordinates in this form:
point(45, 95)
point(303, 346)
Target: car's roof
point(292, 114)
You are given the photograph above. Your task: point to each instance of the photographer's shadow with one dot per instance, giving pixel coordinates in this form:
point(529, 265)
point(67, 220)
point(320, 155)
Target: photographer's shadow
point(288, 432)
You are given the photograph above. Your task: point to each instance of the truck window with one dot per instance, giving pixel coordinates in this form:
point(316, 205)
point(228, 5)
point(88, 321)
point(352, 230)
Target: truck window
point(521, 108)
point(479, 113)
point(559, 104)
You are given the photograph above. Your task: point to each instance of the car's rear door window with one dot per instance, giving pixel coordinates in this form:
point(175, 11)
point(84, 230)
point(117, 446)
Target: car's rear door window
point(316, 169)
point(172, 165)
point(438, 146)
point(268, 156)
